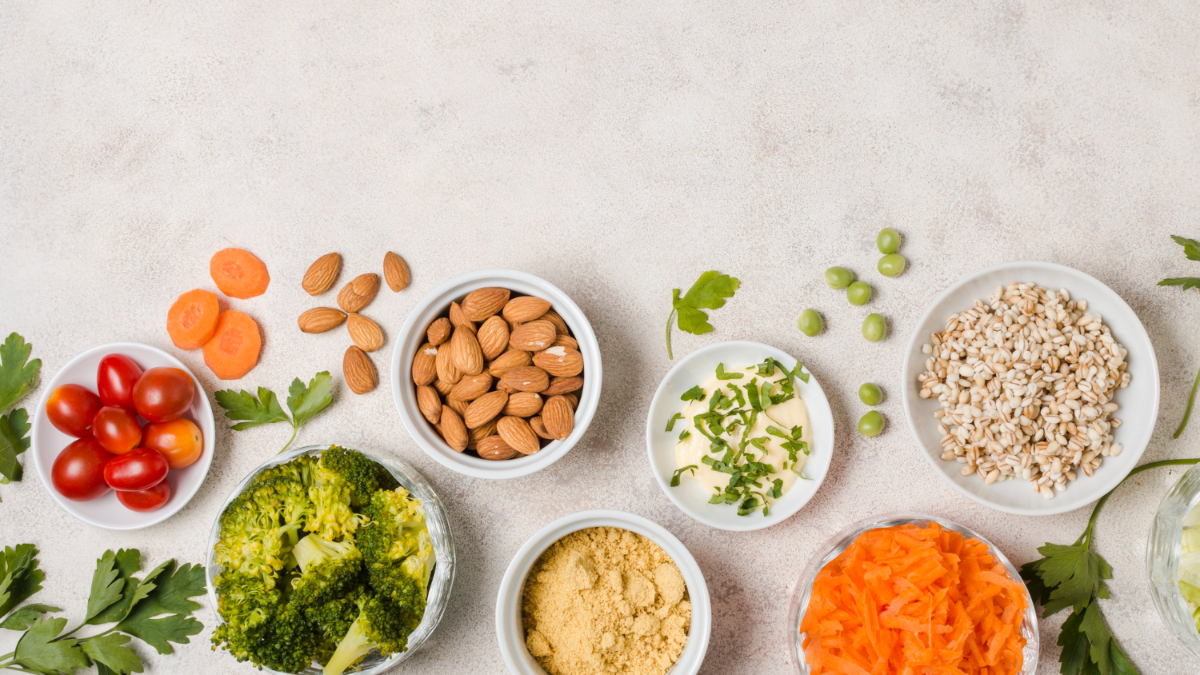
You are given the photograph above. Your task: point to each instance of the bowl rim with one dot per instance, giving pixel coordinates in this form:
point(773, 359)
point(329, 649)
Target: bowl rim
point(203, 418)
point(411, 337)
point(1167, 531)
point(754, 521)
point(509, 625)
point(839, 542)
point(441, 583)
point(909, 401)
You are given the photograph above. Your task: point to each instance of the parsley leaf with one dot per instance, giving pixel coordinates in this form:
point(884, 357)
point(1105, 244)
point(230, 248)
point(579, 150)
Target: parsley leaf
point(1191, 247)
point(170, 596)
point(18, 375)
point(14, 440)
point(112, 651)
point(709, 292)
point(19, 576)
point(696, 393)
point(23, 618)
point(1185, 282)
point(305, 403)
point(38, 650)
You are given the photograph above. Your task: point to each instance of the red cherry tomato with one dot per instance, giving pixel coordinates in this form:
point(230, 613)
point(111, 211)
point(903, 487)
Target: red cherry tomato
point(146, 500)
point(163, 394)
point(138, 469)
point(116, 429)
point(180, 441)
point(78, 472)
point(115, 380)
point(71, 409)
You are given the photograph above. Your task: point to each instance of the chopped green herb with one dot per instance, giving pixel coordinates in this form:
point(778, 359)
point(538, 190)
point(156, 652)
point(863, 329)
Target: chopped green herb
point(679, 472)
point(722, 375)
point(675, 418)
point(684, 435)
point(696, 393)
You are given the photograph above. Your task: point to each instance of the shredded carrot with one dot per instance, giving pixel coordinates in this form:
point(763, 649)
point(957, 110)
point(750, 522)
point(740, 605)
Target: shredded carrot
point(910, 600)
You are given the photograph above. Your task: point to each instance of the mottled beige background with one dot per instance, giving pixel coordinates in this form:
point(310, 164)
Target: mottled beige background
point(617, 149)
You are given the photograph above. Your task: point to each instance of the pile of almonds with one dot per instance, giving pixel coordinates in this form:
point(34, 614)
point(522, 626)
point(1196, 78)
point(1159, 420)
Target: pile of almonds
point(367, 336)
point(499, 375)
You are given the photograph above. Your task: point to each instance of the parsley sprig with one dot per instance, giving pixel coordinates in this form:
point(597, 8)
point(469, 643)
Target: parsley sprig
point(1074, 577)
point(18, 377)
point(252, 411)
point(709, 292)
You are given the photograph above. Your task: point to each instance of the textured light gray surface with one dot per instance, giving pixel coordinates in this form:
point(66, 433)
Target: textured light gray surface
point(618, 150)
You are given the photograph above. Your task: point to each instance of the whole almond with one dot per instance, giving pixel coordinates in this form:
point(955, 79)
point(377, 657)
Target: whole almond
point(509, 360)
point(539, 428)
point(479, 433)
point(523, 404)
point(366, 333)
point(460, 320)
point(503, 386)
point(322, 273)
point(471, 387)
point(493, 337)
point(358, 371)
point(465, 350)
point(533, 336)
point(446, 369)
point(482, 303)
point(559, 325)
point(395, 272)
point(485, 408)
point(439, 331)
point(494, 447)
point(518, 434)
point(559, 361)
point(566, 341)
point(424, 367)
point(563, 385)
point(558, 415)
point(429, 403)
point(443, 387)
point(527, 378)
point(452, 429)
point(573, 399)
point(525, 308)
point(457, 406)
point(359, 293)
point(320, 319)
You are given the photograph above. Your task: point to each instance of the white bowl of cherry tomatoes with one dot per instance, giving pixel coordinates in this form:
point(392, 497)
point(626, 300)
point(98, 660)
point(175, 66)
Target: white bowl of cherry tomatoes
point(123, 436)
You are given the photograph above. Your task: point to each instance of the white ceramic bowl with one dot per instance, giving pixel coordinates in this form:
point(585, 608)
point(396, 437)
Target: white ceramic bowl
point(509, 625)
point(1138, 402)
point(107, 512)
point(412, 336)
point(697, 368)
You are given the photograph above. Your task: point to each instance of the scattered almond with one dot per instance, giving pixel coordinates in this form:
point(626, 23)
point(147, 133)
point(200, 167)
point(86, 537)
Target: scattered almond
point(358, 371)
point(525, 308)
point(396, 272)
point(445, 366)
point(523, 404)
point(483, 303)
point(527, 378)
point(453, 430)
point(563, 385)
point(424, 367)
point(533, 336)
point(322, 273)
point(559, 361)
point(471, 387)
point(494, 447)
point(466, 353)
point(430, 403)
point(320, 319)
point(558, 416)
point(539, 428)
point(485, 408)
point(518, 434)
point(366, 333)
point(509, 360)
point(439, 331)
point(359, 293)
point(493, 337)
point(559, 325)
point(460, 320)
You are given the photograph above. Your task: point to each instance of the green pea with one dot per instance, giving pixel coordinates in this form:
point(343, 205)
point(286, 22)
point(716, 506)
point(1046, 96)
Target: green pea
point(810, 323)
point(888, 241)
point(838, 277)
point(892, 265)
point(858, 293)
point(874, 328)
point(871, 424)
point(870, 394)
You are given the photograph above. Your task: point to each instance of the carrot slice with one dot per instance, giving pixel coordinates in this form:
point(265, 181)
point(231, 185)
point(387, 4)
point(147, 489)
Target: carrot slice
point(238, 273)
point(192, 320)
point(233, 349)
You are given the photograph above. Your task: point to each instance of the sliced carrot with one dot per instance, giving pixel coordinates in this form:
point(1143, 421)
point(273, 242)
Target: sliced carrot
point(192, 320)
point(238, 273)
point(233, 349)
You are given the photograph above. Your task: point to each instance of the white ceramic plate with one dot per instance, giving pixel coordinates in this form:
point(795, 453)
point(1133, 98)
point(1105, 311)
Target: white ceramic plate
point(106, 512)
point(697, 368)
point(510, 627)
point(1138, 402)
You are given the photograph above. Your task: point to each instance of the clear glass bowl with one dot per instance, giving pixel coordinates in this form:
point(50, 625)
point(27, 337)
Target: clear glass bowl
point(1162, 558)
point(439, 531)
point(841, 541)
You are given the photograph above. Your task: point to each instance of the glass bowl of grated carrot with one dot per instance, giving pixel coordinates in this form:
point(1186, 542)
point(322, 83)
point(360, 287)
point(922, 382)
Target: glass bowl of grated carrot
point(872, 580)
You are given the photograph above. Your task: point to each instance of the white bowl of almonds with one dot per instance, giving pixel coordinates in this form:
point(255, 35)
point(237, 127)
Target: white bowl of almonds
point(497, 374)
point(1031, 387)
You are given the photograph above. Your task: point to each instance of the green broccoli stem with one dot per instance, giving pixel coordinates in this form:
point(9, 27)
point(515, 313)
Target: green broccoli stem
point(669, 320)
point(353, 647)
point(1086, 537)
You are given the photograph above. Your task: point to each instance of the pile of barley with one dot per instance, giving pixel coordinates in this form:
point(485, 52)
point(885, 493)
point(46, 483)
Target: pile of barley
point(1025, 384)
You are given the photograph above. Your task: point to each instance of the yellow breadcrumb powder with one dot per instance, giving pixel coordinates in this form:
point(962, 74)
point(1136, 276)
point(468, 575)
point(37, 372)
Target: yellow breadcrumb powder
point(606, 600)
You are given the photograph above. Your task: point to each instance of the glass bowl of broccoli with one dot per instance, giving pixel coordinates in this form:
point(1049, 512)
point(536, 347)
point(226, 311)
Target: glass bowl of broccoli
point(327, 560)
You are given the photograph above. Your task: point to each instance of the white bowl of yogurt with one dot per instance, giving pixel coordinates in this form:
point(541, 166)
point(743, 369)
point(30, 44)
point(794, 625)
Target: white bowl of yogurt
point(799, 458)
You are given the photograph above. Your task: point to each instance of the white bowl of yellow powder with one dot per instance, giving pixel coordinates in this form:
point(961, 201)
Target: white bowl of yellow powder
point(603, 592)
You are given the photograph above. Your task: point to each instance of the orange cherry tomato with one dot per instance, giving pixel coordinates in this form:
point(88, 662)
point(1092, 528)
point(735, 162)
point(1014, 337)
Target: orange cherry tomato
point(180, 441)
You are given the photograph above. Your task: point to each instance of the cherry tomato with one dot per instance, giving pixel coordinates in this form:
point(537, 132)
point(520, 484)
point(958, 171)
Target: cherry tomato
point(78, 472)
point(115, 380)
point(146, 500)
point(163, 394)
point(116, 429)
point(180, 441)
point(138, 469)
point(71, 409)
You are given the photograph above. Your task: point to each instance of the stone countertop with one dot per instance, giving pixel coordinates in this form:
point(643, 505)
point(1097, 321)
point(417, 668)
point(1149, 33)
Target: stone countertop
point(617, 150)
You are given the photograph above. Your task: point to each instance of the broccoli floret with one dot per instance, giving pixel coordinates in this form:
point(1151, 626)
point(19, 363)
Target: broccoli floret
point(334, 619)
point(246, 605)
point(289, 642)
point(338, 479)
point(329, 571)
point(361, 473)
point(397, 549)
point(380, 625)
point(259, 528)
